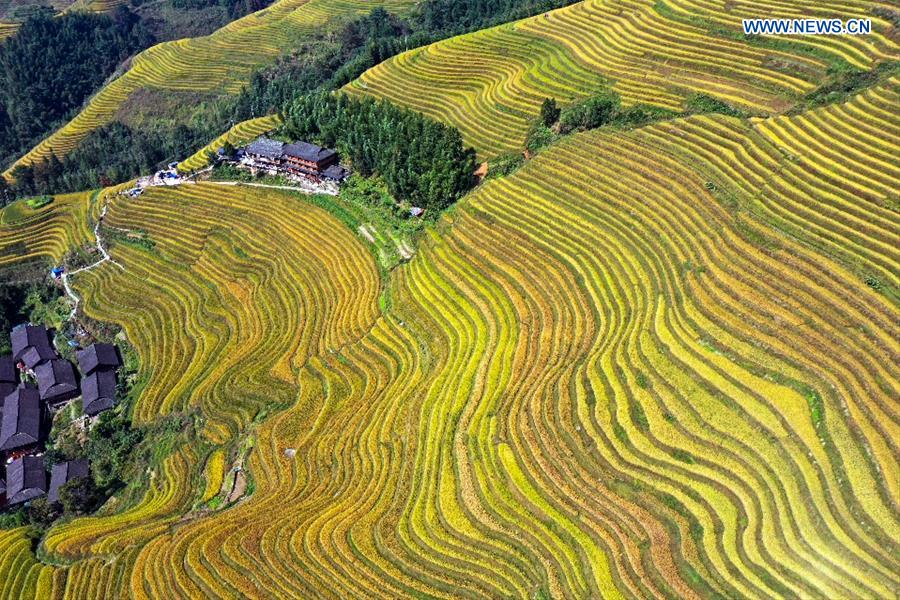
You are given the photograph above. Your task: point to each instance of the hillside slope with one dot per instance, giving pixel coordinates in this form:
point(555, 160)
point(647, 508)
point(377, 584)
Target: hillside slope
point(607, 374)
point(491, 83)
point(220, 63)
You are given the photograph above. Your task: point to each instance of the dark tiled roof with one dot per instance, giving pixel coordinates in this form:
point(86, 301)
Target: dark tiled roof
point(63, 473)
point(25, 479)
point(308, 151)
point(98, 391)
point(24, 337)
point(8, 371)
point(56, 380)
point(336, 172)
point(98, 356)
point(264, 146)
point(2, 486)
point(31, 345)
point(21, 419)
point(5, 390)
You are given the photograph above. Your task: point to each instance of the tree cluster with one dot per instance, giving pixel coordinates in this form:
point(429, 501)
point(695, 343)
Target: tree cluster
point(234, 8)
point(589, 114)
point(111, 154)
point(51, 65)
point(422, 161)
point(453, 17)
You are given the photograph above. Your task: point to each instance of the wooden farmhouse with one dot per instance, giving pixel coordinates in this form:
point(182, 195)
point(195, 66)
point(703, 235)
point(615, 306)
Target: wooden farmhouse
point(22, 414)
point(300, 159)
point(25, 479)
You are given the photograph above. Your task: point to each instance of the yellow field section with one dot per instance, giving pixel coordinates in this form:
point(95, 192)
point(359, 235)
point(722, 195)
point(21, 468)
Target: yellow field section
point(23, 576)
point(840, 174)
point(606, 375)
point(860, 50)
point(239, 289)
point(491, 83)
point(230, 293)
point(827, 176)
point(220, 62)
point(47, 232)
point(7, 29)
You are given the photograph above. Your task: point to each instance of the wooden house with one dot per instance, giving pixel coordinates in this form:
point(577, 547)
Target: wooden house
point(31, 345)
point(98, 391)
point(25, 479)
point(21, 426)
point(98, 356)
point(56, 380)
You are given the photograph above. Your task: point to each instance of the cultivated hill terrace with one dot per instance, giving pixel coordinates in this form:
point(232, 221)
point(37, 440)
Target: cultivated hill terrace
point(490, 83)
point(220, 63)
point(652, 362)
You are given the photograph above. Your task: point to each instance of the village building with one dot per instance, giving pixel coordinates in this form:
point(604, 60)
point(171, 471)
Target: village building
point(25, 479)
point(307, 159)
point(63, 473)
point(98, 391)
point(9, 378)
point(336, 173)
point(98, 356)
point(31, 345)
point(265, 152)
point(56, 380)
point(298, 159)
point(2, 491)
point(21, 425)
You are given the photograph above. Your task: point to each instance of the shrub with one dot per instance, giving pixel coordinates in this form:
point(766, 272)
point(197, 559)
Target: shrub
point(39, 201)
point(41, 513)
point(590, 113)
point(641, 114)
point(109, 446)
point(505, 164)
point(704, 103)
point(538, 137)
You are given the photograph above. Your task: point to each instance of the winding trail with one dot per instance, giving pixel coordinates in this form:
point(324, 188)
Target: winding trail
point(104, 258)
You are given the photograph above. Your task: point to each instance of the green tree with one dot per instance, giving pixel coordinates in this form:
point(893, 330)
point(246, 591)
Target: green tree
point(549, 112)
point(41, 513)
point(80, 496)
point(590, 113)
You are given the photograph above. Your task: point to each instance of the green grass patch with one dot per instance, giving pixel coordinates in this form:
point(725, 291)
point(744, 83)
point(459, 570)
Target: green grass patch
point(844, 83)
point(38, 201)
point(505, 164)
point(704, 104)
point(683, 456)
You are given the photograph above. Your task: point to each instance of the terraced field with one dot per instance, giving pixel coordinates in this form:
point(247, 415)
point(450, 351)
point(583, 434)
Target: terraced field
point(651, 363)
point(219, 63)
point(491, 83)
point(46, 233)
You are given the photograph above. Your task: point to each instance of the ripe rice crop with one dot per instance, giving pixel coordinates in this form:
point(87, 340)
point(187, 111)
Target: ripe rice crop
point(8, 28)
point(643, 365)
point(491, 83)
point(48, 232)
